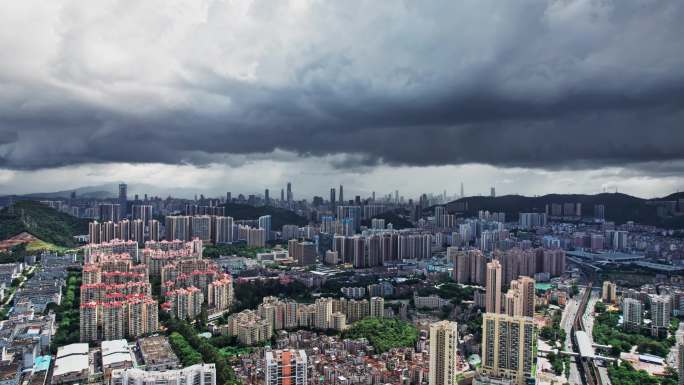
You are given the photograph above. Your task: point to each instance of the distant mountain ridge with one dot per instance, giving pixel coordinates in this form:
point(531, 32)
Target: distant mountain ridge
point(279, 217)
point(619, 207)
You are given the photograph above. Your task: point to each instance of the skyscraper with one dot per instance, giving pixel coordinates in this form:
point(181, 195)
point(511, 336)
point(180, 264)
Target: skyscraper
point(443, 348)
point(493, 287)
point(462, 193)
point(267, 198)
point(286, 367)
point(341, 194)
point(508, 347)
point(282, 195)
point(332, 197)
point(265, 223)
point(123, 199)
point(289, 192)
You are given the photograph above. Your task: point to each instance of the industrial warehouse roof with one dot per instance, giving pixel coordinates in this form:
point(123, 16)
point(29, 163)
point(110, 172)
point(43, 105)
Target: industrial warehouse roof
point(114, 352)
point(71, 349)
point(71, 359)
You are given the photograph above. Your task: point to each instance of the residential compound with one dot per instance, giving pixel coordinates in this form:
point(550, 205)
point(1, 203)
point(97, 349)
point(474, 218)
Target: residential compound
point(116, 294)
point(274, 314)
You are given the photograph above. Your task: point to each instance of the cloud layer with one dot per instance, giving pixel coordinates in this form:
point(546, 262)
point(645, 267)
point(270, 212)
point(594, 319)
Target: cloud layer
point(538, 84)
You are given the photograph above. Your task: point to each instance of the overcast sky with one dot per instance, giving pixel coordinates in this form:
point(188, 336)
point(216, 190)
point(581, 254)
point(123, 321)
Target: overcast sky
point(530, 97)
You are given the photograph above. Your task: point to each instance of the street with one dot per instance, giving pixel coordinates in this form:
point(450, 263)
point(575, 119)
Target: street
point(566, 323)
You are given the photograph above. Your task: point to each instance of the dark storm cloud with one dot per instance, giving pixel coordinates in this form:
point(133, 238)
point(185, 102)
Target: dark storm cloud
point(557, 84)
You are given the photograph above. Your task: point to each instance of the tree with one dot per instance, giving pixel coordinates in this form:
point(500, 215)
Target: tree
point(574, 290)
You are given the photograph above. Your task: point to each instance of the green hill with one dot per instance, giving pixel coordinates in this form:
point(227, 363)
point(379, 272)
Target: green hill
point(279, 217)
point(45, 223)
point(398, 222)
point(619, 208)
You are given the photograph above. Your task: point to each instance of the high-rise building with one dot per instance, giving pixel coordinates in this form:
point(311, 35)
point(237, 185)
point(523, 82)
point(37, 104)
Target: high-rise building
point(304, 253)
point(286, 367)
point(94, 230)
point(138, 231)
point(632, 314)
point(469, 266)
point(177, 228)
point(223, 230)
point(532, 220)
point(492, 193)
point(508, 347)
point(108, 212)
point(113, 315)
point(520, 298)
point(185, 302)
point(142, 212)
point(609, 292)
point(88, 325)
point(350, 212)
point(289, 192)
point(154, 230)
point(661, 308)
point(377, 307)
point(265, 223)
point(493, 287)
point(341, 194)
point(123, 199)
point(200, 227)
point(324, 310)
point(256, 237)
point(267, 198)
point(443, 349)
point(332, 197)
point(440, 212)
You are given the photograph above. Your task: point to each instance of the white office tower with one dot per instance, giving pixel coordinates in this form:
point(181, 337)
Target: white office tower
point(443, 349)
point(286, 367)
